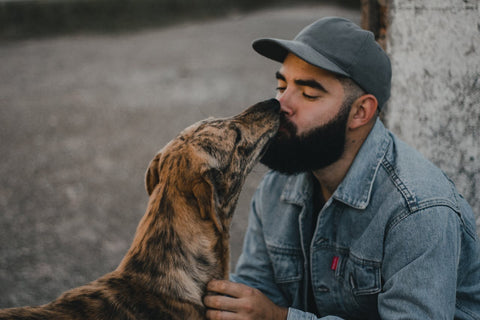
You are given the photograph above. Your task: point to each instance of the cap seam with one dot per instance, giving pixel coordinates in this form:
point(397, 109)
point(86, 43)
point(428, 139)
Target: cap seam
point(360, 50)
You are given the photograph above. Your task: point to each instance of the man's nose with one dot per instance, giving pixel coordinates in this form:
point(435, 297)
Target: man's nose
point(286, 103)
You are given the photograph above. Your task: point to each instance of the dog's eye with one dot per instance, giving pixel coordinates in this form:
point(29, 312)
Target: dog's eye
point(245, 150)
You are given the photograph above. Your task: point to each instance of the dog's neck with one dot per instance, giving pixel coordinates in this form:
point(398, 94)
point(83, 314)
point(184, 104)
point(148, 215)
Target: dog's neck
point(175, 257)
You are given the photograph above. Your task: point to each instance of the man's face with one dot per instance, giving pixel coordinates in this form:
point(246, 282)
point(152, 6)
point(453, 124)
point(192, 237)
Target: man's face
point(314, 119)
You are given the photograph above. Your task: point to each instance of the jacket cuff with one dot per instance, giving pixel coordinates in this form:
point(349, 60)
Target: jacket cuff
point(295, 314)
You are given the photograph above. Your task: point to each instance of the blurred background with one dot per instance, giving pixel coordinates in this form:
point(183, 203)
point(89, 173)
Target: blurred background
point(90, 91)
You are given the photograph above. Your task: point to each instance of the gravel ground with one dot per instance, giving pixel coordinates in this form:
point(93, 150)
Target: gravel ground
point(80, 118)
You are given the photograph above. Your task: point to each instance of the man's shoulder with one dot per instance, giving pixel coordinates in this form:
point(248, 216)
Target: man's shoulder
point(416, 178)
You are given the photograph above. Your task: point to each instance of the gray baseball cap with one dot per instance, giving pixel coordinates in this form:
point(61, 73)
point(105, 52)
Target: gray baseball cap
point(340, 46)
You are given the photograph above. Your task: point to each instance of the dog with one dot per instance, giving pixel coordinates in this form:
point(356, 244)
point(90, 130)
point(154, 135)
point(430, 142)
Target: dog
point(182, 241)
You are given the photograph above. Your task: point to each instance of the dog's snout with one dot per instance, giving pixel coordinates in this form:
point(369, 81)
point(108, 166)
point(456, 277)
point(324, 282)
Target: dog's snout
point(261, 111)
point(272, 104)
point(276, 105)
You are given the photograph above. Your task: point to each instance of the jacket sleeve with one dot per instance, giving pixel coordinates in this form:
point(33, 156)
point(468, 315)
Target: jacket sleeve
point(422, 251)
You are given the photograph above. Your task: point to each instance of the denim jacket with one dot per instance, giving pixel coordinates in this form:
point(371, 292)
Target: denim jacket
point(395, 241)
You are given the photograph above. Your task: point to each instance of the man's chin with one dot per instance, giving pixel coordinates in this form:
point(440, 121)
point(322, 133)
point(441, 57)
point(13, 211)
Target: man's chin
point(288, 159)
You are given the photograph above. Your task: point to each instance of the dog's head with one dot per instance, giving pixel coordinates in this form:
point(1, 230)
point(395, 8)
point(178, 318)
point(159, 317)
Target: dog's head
point(207, 162)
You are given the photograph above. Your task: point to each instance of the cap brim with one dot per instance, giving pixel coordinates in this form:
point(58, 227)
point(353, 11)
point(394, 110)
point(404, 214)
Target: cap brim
point(277, 49)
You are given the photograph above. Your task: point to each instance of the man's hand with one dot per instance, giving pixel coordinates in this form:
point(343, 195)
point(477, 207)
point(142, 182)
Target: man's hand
point(241, 303)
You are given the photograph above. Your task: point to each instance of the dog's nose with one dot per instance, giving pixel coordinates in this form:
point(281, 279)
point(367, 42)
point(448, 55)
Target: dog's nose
point(276, 105)
point(273, 104)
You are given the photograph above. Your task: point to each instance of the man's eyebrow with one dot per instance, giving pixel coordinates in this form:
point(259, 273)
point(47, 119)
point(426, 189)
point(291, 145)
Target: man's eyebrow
point(279, 76)
point(306, 83)
point(312, 84)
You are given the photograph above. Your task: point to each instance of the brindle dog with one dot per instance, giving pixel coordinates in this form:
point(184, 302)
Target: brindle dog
point(182, 241)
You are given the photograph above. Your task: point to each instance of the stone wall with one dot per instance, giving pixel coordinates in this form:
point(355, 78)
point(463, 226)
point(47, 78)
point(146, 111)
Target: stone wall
point(434, 46)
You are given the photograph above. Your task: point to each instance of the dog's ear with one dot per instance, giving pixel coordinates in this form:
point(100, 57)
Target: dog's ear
point(206, 196)
point(151, 176)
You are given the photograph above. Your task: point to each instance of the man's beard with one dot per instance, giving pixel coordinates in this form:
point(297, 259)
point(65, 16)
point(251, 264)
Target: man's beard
point(316, 149)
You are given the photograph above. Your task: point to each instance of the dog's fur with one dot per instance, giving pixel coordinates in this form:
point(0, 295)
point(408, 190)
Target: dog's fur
point(182, 241)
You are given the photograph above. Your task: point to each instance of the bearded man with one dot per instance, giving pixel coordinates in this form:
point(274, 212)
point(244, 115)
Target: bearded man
point(351, 223)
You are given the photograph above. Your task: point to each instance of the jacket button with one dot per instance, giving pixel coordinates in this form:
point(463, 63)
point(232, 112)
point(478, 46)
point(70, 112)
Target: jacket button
point(323, 289)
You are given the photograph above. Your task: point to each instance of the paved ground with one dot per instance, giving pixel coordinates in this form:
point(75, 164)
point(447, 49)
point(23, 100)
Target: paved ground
point(81, 117)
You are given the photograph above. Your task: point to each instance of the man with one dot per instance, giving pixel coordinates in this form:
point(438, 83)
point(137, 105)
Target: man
point(351, 223)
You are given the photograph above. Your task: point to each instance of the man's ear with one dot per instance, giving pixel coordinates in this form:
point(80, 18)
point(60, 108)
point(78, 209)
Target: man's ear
point(151, 176)
point(206, 196)
point(363, 110)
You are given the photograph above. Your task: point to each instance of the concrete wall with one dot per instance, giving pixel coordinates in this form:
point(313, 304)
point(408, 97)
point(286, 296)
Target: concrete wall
point(434, 46)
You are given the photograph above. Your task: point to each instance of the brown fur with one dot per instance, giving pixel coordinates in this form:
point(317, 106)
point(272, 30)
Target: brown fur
point(182, 241)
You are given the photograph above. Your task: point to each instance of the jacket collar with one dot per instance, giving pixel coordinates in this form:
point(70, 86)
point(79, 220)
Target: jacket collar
point(356, 188)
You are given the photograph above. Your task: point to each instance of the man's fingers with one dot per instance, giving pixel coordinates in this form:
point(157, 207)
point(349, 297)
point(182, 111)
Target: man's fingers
point(228, 288)
point(220, 307)
point(220, 303)
point(237, 301)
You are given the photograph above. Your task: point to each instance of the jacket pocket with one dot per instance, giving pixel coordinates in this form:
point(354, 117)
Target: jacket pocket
point(287, 264)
